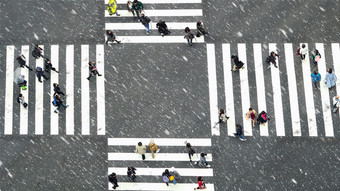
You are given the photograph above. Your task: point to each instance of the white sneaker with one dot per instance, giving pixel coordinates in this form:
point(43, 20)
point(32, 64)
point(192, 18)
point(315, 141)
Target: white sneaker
point(158, 150)
point(208, 165)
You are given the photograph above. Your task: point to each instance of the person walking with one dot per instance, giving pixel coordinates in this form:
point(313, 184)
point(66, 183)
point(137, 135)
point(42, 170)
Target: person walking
point(203, 160)
point(49, 66)
point(237, 63)
point(129, 7)
point(145, 21)
point(336, 104)
point(93, 70)
point(222, 116)
point(57, 90)
point(22, 101)
point(262, 118)
point(166, 176)
point(200, 29)
point(251, 114)
point(113, 179)
point(302, 51)
point(316, 78)
point(239, 132)
point(37, 52)
point(330, 78)
point(153, 148)
point(22, 61)
point(201, 184)
point(189, 36)
point(141, 149)
point(137, 7)
point(39, 72)
point(316, 57)
point(191, 151)
point(111, 37)
point(162, 27)
point(131, 173)
point(58, 102)
point(174, 175)
point(272, 59)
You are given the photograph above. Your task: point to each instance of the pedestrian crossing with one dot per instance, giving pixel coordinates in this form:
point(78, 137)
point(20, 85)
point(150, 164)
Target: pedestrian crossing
point(181, 12)
point(149, 172)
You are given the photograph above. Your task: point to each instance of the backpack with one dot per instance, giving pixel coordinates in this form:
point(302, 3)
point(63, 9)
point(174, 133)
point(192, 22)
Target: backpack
point(267, 59)
point(54, 102)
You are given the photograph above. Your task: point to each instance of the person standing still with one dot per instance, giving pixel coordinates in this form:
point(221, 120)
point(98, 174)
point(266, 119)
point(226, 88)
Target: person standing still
point(141, 149)
point(316, 78)
point(336, 104)
point(191, 151)
point(137, 7)
point(153, 148)
point(145, 21)
point(113, 179)
point(93, 70)
point(189, 36)
point(330, 78)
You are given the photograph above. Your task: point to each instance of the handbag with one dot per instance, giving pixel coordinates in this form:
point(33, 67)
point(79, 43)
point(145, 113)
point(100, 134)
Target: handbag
point(298, 52)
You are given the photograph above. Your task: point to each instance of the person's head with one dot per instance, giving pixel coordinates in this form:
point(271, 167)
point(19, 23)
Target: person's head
point(36, 46)
point(135, 2)
point(188, 145)
point(91, 63)
point(272, 53)
point(142, 15)
point(250, 109)
point(238, 126)
point(233, 57)
point(337, 97)
point(160, 20)
point(20, 95)
point(199, 178)
point(113, 174)
point(166, 171)
point(186, 29)
point(263, 112)
point(316, 51)
point(221, 110)
point(129, 168)
point(152, 141)
point(203, 154)
point(140, 144)
point(330, 70)
point(303, 46)
point(172, 169)
point(316, 71)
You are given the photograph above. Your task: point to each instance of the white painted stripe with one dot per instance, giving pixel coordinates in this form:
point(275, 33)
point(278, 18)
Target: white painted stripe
point(39, 98)
point(85, 91)
point(100, 90)
point(215, 127)
point(54, 79)
point(122, 171)
point(279, 122)
point(124, 2)
point(159, 186)
point(157, 39)
point(158, 157)
point(326, 105)
point(260, 88)
point(336, 63)
point(293, 97)
point(69, 90)
point(161, 13)
point(248, 131)
point(228, 88)
point(307, 82)
point(139, 26)
point(159, 141)
point(25, 93)
point(9, 90)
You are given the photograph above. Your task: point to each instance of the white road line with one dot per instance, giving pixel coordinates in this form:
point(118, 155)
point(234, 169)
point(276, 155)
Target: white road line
point(157, 39)
point(25, 93)
point(336, 64)
point(307, 82)
point(260, 88)
point(215, 127)
point(159, 141)
point(162, 13)
point(54, 79)
point(69, 90)
point(158, 157)
point(293, 97)
point(248, 131)
point(100, 90)
point(280, 127)
point(139, 26)
point(159, 186)
point(39, 99)
point(326, 106)
point(85, 91)
point(122, 171)
point(228, 88)
point(158, 2)
point(9, 90)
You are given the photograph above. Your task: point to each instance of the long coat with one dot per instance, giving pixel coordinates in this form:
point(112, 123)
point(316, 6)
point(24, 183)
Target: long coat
point(330, 79)
point(141, 149)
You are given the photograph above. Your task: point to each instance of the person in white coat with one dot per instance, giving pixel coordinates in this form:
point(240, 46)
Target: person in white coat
point(336, 103)
point(303, 51)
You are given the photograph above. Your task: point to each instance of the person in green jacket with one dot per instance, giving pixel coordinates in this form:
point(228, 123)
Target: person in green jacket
point(137, 7)
point(112, 7)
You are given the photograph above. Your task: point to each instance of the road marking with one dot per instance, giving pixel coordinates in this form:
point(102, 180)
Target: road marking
point(25, 93)
point(307, 82)
point(159, 141)
point(139, 26)
point(336, 63)
point(69, 89)
point(260, 88)
point(159, 186)
point(100, 90)
point(228, 87)
point(39, 98)
point(158, 157)
point(156, 39)
point(124, 2)
point(122, 171)
point(326, 106)
point(85, 91)
point(161, 13)
point(293, 97)
point(9, 90)
point(54, 79)
point(215, 127)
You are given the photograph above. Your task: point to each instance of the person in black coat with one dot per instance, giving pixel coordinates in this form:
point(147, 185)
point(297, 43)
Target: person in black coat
point(145, 21)
point(262, 118)
point(239, 132)
point(237, 64)
point(22, 61)
point(93, 70)
point(162, 27)
point(39, 72)
point(131, 173)
point(37, 52)
point(113, 179)
point(49, 66)
point(272, 58)
point(57, 90)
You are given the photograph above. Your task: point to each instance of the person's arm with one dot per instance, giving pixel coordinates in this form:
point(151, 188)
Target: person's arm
point(141, 6)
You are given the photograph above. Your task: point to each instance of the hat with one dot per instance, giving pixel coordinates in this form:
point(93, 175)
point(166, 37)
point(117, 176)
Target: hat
point(152, 141)
point(172, 169)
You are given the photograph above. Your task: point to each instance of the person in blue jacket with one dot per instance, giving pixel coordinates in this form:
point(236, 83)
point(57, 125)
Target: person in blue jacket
point(330, 78)
point(316, 78)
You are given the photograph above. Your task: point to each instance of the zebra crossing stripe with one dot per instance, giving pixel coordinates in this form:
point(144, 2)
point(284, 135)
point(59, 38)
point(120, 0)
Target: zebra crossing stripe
point(336, 61)
point(25, 93)
point(54, 79)
point(157, 39)
point(70, 89)
point(121, 171)
point(158, 157)
point(326, 106)
point(39, 99)
point(161, 13)
point(9, 90)
point(100, 90)
point(159, 141)
point(228, 87)
point(293, 98)
point(260, 88)
point(158, 2)
point(309, 99)
point(159, 186)
point(85, 91)
point(139, 26)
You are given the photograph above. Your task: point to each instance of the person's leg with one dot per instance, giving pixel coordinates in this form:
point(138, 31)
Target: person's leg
point(137, 12)
point(147, 28)
point(97, 73)
point(90, 76)
point(45, 77)
point(174, 181)
point(153, 154)
point(64, 106)
point(39, 78)
point(189, 156)
point(143, 156)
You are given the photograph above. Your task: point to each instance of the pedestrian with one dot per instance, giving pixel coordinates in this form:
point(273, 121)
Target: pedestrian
point(21, 100)
point(174, 175)
point(272, 59)
point(191, 151)
point(201, 184)
point(302, 51)
point(336, 104)
point(22, 61)
point(330, 78)
point(112, 7)
point(200, 29)
point(111, 37)
point(57, 90)
point(316, 57)
point(39, 72)
point(166, 176)
point(153, 148)
point(188, 35)
point(141, 149)
point(37, 52)
point(137, 7)
point(58, 102)
point(113, 179)
point(129, 7)
point(145, 21)
point(22, 82)
point(222, 116)
point(162, 27)
point(93, 70)
point(262, 118)
point(239, 132)
point(131, 173)
point(237, 63)
point(316, 78)
point(203, 160)
point(49, 66)
point(251, 114)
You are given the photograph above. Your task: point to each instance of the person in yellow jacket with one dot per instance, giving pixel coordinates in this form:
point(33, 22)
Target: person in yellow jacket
point(112, 7)
point(153, 147)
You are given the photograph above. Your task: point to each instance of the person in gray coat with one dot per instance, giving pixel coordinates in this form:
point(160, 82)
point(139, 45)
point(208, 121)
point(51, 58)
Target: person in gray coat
point(141, 149)
point(330, 78)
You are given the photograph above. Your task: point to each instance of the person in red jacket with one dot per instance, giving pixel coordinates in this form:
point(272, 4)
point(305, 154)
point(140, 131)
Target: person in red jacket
point(201, 184)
